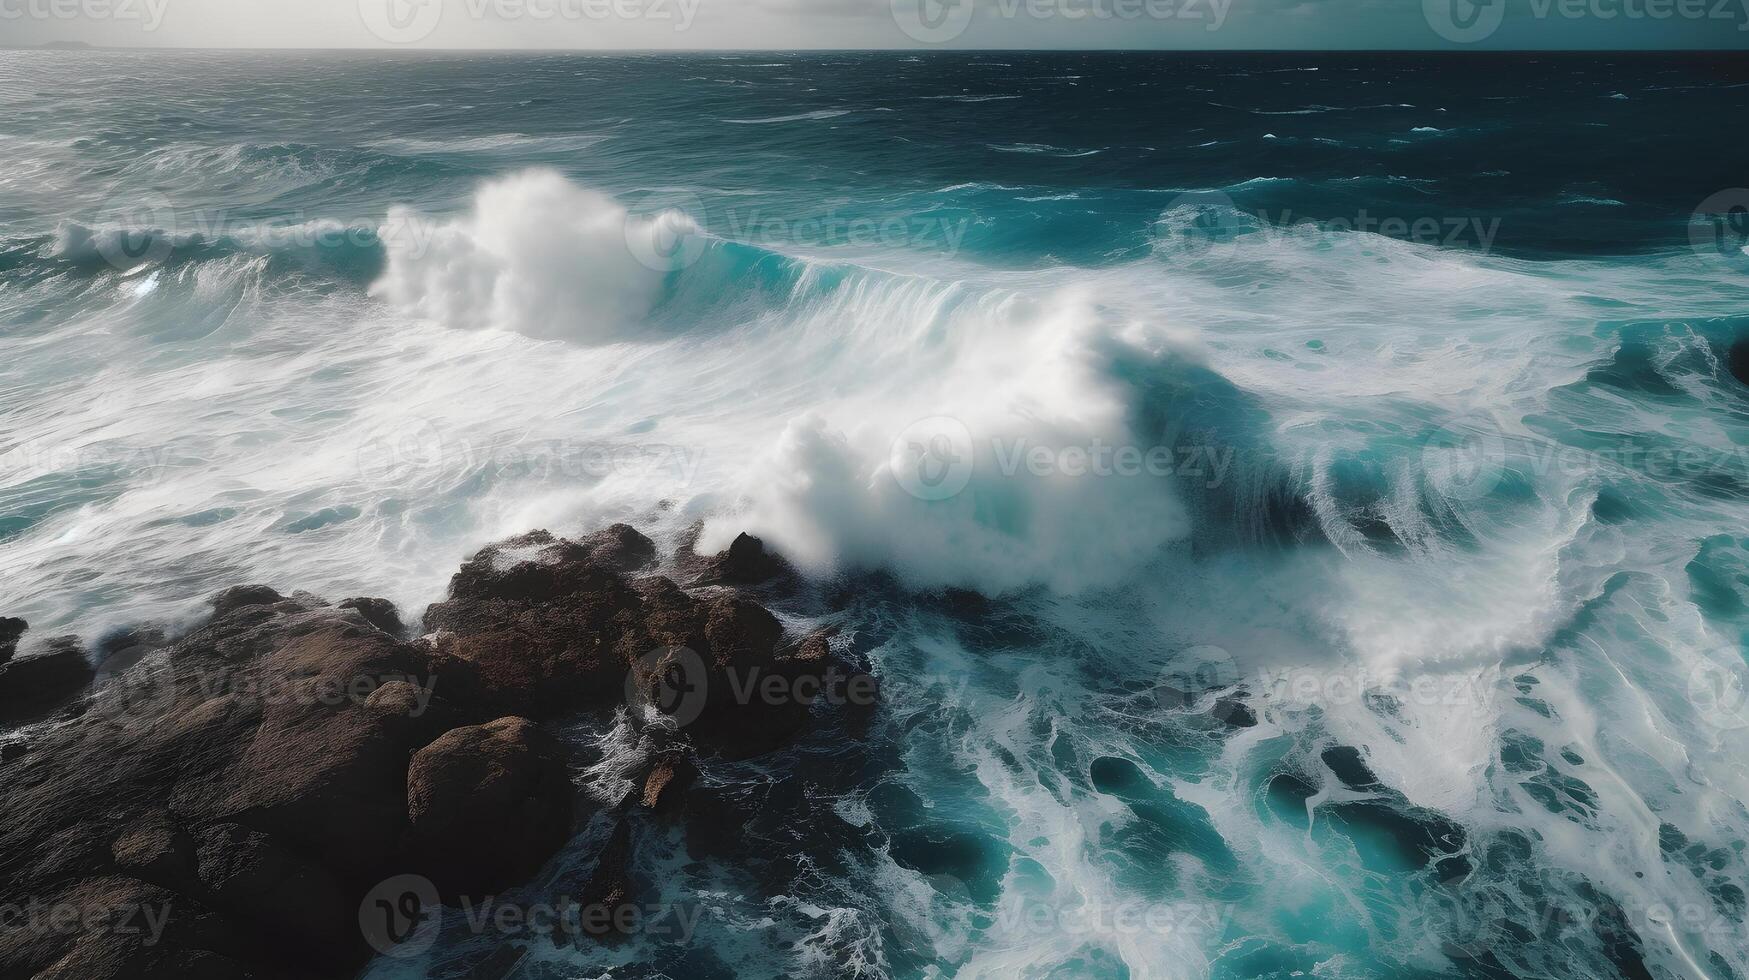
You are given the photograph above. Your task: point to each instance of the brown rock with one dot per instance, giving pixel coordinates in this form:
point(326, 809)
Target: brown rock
point(157, 850)
point(488, 805)
point(620, 548)
point(529, 626)
point(745, 563)
point(255, 879)
point(667, 780)
point(260, 774)
point(380, 613)
point(255, 773)
point(242, 596)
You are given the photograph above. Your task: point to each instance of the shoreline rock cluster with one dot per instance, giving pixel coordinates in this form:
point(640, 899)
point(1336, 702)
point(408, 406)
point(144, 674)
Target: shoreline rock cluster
point(220, 804)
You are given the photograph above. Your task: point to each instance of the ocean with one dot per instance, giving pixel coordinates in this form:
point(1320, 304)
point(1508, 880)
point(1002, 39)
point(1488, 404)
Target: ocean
point(1294, 503)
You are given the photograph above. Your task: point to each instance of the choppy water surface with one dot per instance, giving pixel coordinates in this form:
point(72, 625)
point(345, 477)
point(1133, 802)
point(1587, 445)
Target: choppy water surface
point(1352, 449)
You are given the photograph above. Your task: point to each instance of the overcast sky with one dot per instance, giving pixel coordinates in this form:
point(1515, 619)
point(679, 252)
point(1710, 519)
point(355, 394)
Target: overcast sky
point(788, 24)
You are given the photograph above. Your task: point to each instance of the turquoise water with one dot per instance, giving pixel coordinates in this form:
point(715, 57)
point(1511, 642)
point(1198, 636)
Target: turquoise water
point(1350, 451)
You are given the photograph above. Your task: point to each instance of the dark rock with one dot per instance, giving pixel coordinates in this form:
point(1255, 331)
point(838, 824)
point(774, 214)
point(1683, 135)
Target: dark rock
point(261, 774)
point(489, 804)
point(610, 889)
point(240, 596)
point(380, 613)
point(745, 563)
point(667, 781)
point(254, 878)
point(157, 850)
point(255, 775)
point(530, 627)
point(621, 548)
point(740, 633)
point(120, 650)
point(33, 685)
point(10, 630)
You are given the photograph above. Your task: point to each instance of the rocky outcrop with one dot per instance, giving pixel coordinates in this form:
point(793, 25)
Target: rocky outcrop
point(10, 630)
point(39, 681)
point(246, 786)
point(546, 626)
point(745, 563)
point(380, 613)
point(488, 804)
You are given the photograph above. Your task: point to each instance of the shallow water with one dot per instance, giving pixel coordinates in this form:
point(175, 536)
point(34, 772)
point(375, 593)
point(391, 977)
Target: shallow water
point(1383, 402)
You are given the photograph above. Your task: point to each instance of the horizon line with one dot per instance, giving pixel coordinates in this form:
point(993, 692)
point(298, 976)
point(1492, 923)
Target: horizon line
point(74, 47)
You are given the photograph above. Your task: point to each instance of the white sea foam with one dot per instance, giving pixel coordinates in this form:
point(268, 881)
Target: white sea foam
point(537, 255)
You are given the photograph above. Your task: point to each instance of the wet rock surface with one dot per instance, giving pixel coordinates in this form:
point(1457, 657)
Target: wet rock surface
point(238, 792)
point(10, 630)
point(35, 682)
point(463, 788)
